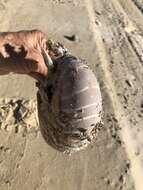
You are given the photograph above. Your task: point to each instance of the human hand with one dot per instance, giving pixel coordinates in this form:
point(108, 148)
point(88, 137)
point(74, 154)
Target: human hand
point(21, 52)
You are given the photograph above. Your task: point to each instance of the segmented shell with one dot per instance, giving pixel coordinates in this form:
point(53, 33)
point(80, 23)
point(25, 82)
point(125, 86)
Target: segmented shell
point(70, 106)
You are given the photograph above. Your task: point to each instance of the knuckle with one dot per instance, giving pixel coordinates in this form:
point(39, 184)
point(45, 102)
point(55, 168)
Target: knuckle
point(37, 32)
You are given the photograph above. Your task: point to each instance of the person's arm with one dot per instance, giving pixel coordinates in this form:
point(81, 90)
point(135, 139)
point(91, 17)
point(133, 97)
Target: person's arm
point(21, 52)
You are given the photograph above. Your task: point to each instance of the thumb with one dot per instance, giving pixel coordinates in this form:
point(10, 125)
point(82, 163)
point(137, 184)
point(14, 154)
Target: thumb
point(39, 77)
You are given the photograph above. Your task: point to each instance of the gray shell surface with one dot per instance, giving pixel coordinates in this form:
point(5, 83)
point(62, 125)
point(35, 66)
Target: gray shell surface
point(70, 106)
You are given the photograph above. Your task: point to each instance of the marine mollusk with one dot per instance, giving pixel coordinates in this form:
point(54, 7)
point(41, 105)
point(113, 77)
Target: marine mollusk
point(69, 105)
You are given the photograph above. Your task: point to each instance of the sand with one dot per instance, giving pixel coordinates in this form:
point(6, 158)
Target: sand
point(110, 38)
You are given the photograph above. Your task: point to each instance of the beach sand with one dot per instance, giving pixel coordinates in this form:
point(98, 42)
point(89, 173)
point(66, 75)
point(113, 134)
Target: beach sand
point(110, 38)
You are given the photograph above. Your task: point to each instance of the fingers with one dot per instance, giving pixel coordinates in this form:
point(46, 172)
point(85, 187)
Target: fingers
point(22, 52)
point(40, 39)
point(39, 65)
point(36, 38)
point(28, 38)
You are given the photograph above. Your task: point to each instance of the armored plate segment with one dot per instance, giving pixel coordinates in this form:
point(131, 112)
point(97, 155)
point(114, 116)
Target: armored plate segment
point(70, 105)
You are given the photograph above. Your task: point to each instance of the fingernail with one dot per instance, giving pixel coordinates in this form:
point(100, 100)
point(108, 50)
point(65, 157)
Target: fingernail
point(47, 59)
